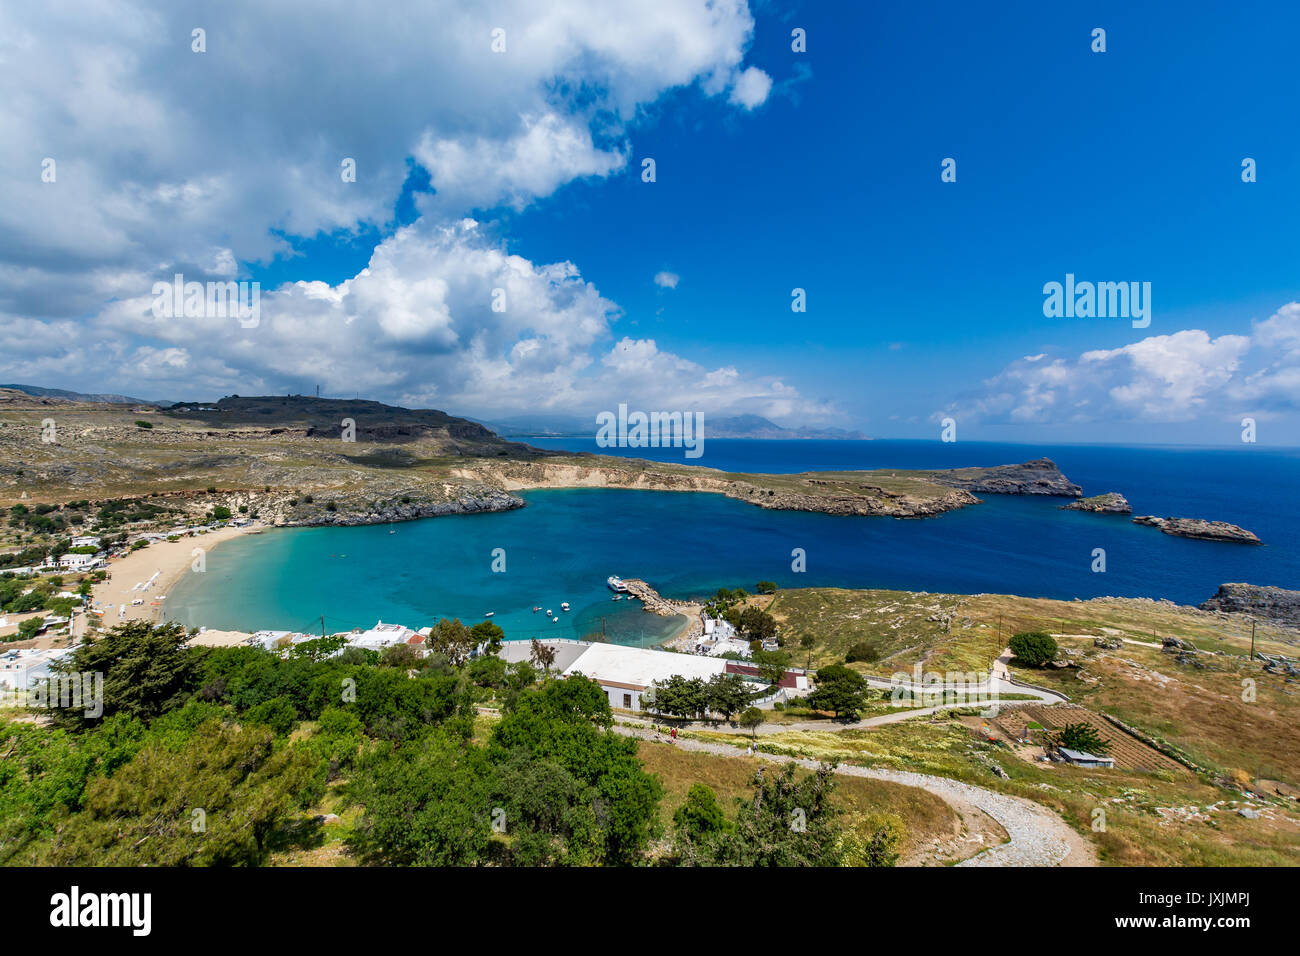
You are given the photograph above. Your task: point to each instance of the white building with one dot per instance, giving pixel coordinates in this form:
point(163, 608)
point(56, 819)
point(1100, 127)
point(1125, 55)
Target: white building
point(382, 635)
point(273, 640)
point(20, 667)
point(624, 673)
point(79, 562)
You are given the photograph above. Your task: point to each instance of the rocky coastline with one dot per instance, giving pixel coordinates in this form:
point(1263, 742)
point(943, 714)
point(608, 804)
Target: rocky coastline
point(1038, 477)
point(1278, 605)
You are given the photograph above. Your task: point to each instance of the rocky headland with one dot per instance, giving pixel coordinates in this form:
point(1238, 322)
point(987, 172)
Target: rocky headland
point(1268, 603)
point(1038, 477)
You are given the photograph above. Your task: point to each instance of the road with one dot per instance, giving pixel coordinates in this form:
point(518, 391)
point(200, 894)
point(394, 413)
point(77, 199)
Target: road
point(1036, 835)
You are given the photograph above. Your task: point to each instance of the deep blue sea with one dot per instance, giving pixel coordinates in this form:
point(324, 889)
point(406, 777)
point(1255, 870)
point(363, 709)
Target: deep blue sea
point(566, 542)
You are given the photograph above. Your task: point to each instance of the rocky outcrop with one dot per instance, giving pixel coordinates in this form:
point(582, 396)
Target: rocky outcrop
point(1267, 603)
point(478, 503)
point(1111, 503)
point(1199, 528)
point(794, 492)
point(1037, 477)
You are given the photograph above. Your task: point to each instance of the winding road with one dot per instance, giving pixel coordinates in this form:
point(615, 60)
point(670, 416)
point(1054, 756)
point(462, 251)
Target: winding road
point(1036, 835)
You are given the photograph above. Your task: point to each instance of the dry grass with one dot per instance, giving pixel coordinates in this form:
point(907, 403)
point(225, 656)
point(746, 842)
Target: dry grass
point(925, 817)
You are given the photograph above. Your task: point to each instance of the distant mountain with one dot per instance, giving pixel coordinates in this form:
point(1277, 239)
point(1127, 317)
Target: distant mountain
point(758, 427)
point(737, 426)
point(107, 398)
point(540, 426)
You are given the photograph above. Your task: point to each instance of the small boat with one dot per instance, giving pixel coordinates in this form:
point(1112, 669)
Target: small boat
point(548, 612)
point(564, 606)
point(537, 608)
point(392, 532)
point(617, 597)
point(489, 613)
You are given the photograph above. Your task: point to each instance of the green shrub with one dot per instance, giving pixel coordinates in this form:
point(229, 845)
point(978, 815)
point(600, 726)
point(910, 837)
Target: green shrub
point(1033, 648)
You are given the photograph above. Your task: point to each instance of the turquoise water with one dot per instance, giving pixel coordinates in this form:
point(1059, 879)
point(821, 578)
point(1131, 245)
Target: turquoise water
point(565, 544)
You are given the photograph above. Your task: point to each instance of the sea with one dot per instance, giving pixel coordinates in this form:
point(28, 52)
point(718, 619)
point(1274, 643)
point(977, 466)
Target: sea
point(565, 543)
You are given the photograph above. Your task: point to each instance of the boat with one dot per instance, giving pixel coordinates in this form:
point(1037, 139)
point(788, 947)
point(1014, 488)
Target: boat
point(489, 613)
point(617, 597)
point(548, 612)
point(537, 608)
point(615, 583)
point(564, 606)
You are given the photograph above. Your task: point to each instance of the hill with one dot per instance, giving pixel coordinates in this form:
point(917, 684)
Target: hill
point(95, 397)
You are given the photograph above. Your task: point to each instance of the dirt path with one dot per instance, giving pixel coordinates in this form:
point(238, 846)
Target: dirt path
point(1036, 835)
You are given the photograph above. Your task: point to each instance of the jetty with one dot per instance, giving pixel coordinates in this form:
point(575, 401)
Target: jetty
point(649, 597)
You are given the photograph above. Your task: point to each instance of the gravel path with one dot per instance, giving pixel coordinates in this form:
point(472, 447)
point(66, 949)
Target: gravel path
point(1038, 837)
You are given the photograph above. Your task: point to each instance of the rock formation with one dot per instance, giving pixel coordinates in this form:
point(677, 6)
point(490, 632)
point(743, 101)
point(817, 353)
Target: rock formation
point(1199, 528)
point(1111, 503)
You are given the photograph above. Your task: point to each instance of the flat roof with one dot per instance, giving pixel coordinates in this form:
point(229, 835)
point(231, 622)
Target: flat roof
point(640, 666)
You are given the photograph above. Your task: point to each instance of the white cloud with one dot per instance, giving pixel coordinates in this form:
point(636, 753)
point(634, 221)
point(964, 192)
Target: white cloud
point(416, 326)
point(750, 88)
point(174, 161)
point(1181, 377)
point(667, 280)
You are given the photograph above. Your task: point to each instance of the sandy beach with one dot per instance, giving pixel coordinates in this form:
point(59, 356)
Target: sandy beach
point(148, 574)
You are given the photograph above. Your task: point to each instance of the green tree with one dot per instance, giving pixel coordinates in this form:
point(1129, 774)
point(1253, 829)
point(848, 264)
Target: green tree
point(765, 587)
point(30, 627)
point(772, 665)
point(147, 670)
point(425, 803)
point(751, 719)
point(679, 696)
point(757, 624)
point(216, 801)
point(726, 694)
point(1080, 736)
point(862, 651)
point(699, 817)
point(490, 634)
point(453, 640)
point(278, 713)
point(840, 690)
point(787, 822)
point(1033, 648)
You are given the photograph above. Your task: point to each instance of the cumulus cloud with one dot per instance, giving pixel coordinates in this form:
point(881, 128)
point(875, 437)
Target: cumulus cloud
point(442, 316)
point(1180, 377)
point(750, 88)
point(667, 280)
point(169, 160)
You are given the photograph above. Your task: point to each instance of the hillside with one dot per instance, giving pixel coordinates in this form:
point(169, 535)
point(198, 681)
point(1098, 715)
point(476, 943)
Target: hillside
point(300, 460)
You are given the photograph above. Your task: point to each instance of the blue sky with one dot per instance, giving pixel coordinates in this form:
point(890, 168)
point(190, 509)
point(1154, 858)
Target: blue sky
point(924, 298)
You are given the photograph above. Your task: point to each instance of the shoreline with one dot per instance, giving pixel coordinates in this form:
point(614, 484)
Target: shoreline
point(150, 573)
